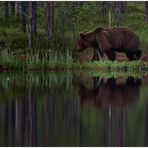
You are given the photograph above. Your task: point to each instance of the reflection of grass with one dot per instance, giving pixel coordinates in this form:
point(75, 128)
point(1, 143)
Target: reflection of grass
point(50, 81)
point(117, 74)
point(116, 66)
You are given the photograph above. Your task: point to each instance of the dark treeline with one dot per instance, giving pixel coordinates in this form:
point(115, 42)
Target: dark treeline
point(59, 23)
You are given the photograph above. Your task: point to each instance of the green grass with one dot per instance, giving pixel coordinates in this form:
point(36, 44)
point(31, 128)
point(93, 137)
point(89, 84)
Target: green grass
point(53, 60)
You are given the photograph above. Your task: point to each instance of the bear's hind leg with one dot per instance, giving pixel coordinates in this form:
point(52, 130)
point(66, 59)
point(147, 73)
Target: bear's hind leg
point(134, 55)
point(130, 56)
point(111, 55)
point(138, 54)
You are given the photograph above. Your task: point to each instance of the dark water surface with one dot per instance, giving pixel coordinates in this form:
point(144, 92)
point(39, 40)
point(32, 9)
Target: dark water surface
point(73, 110)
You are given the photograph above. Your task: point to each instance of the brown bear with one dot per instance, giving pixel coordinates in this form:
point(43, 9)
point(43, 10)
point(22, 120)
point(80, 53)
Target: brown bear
point(108, 92)
point(109, 41)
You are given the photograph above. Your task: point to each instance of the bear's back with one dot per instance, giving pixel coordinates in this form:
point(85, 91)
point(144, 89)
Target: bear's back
point(123, 37)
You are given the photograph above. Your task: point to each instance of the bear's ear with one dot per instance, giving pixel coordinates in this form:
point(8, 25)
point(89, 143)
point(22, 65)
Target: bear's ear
point(82, 36)
point(99, 29)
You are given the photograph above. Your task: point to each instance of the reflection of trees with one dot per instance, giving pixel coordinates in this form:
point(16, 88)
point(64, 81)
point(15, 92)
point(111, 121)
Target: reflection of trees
point(49, 120)
point(115, 127)
point(113, 96)
point(38, 114)
point(43, 115)
point(20, 121)
point(32, 117)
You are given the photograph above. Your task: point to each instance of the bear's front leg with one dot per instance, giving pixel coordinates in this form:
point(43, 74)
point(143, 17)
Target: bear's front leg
point(97, 54)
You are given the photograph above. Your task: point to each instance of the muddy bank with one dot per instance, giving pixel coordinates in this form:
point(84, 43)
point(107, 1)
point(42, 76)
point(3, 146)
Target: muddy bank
point(88, 54)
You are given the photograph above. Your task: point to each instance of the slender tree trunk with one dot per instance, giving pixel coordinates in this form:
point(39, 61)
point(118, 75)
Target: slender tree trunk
point(81, 3)
point(123, 6)
point(17, 8)
point(23, 16)
point(63, 18)
point(6, 9)
point(105, 7)
point(109, 14)
point(30, 35)
point(31, 24)
point(27, 8)
point(118, 14)
point(146, 11)
point(34, 20)
point(12, 8)
point(50, 20)
point(74, 5)
point(34, 17)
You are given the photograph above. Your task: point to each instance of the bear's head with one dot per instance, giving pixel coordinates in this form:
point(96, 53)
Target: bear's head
point(87, 39)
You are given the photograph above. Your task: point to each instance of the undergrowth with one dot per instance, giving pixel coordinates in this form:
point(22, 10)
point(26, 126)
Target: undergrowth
point(53, 60)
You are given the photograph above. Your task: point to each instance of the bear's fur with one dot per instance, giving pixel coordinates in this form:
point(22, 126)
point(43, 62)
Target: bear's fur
point(109, 41)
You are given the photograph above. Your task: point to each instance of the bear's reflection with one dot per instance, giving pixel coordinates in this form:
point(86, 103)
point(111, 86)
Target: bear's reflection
point(113, 96)
point(118, 92)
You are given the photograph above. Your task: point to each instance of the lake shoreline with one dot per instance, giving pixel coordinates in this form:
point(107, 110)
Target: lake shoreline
point(96, 66)
point(77, 73)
